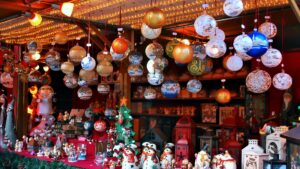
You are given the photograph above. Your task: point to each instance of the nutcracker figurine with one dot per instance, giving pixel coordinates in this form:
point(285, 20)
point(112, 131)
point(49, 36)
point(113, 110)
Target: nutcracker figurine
point(151, 161)
point(167, 156)
point(130, 160)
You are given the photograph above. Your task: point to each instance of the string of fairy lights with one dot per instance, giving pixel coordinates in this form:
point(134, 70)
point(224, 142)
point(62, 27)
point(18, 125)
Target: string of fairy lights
point(20, 31)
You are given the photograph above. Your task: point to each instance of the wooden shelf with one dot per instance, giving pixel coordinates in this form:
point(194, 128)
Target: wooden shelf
point(156, 115)
point(183, 99)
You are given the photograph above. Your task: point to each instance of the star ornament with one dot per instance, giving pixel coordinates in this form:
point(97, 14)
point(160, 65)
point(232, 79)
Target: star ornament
point(123, 101)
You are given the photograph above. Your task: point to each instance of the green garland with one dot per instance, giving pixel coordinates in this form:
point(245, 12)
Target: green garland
point(12, 160)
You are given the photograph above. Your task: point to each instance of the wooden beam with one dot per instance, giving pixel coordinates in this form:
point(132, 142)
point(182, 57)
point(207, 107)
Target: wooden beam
point(100, 35)
point(93, 39)
point(295, 8)
point(18, 6)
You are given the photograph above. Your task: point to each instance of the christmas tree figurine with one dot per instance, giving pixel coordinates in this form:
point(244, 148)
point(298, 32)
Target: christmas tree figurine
point(123, 125)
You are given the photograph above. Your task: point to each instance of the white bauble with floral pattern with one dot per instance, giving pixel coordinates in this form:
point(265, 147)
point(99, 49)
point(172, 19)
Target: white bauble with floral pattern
point(155, 78)
point(233, 7)
point(150, 33)
point(272, 58)
point(217, 34)
point(244, 56)
point(215, 48)
point(154, 50)
point(234, 63)
point(258, 81)
point(242, 43)
point(269, 29)
point(204, 25)
point(282, 81)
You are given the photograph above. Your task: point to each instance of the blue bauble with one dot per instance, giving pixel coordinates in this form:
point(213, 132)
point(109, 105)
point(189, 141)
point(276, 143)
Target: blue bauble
point(170, 89)
point(88, 125)
point(260, 44)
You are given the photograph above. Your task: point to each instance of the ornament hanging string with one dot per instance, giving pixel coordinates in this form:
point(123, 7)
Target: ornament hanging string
point(256, 13)
point(282, 33)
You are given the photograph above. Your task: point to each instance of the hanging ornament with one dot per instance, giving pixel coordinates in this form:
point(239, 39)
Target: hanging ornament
point(7, 80)
point(155, 78)
point(194, 86)
point(233, 7)
point(8, 68)
point(104, 68)
point(282, 80)
point(120, 118)
point(118, 57)
point(217, 34)
point(183, 53)
point(135, 57)
point(67, 67)
point(82, 82)
point(104, 55)
point(198, 66)
point(260, 44)
point(258, 81)
point(170, 89)
point(155, 18)
point(223, 95)
point(55, 66)
point(34, 76)
point(89, 76)
point(52, 57)
point(160, 63)
point(135, 70)
point(171, 45)
point(244, 56)
point(100, 126)
point(154, 50)
point(120, 45)
point(61, 38)
point(32, 46)
point(272, 58)
point(88, 62)
point(76, 54)
point(215, 48)
point(268, 28)
point(103, 88)
point(150, 66)
point(45, 79)
point(234, 63)
point(84, 93)
point(199, 50)
point(70, 81)
point(242, 43)
point(150, 93)
point(150, 33)
point(204, 25)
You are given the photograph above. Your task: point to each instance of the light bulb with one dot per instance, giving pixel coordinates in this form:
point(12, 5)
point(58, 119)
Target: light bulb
point(46, 68)
point(67, 8)
point(37, 67)
point(36, 19)
point(36, 56)
point(29, 110)
point(185, 41)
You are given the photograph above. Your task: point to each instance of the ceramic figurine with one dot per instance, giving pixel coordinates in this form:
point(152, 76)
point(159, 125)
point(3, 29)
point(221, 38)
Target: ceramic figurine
point(19, 146)
point(151, 161)
point(71, 153)
point(99, 159)
point(185, 164)
point(40, 153)
point(223, 161)
point(55, 153)
point(130, 160)
point(167, 156)
point(202, 160)
point(143, 156)
point(81, 152)
point(117, 150)
point(66, 116)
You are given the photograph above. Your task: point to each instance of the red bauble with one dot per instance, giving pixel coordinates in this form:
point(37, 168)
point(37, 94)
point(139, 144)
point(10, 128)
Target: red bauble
point(120, 45)
point(100, 126)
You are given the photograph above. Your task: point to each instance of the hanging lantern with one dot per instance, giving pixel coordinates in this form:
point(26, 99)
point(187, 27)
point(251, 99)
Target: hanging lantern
point(198, 66)
point(170, 89)
point(260, 44)
point(282, 80)
point(242, 43)
point(234, 63)
point(52, 57)
point(84, 93)
point(183, 53)
point(88, 62)
point(105, 68)
point(7, 80)
point(150, 93)
point(150, 66)
point(215, 48)
point(155, 18)
point(103, 88)
point(135, 70)
point(120, 45)
point(170, 47)
point(258, 81)
point(118, 57)
point(223, 95)
point(199, 50)
point(76, 54)
point(204, 25)
point(268, 28)
point(100, 126)
point(70, 81)
point(160, 63)
point(104, 55)
point(217, 34)
point(194, 86)
point(150, 33)
point(61, 38)
point(67, 67)
point(135, 57)
point(244, 56)
point(35, 19)
point(272, 58)
point(155, 78)
point(233, 7)
point(154, 50)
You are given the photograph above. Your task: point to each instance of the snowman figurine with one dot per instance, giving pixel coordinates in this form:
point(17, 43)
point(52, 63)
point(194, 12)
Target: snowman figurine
point(167, 156)
point(143, 156)
point(129, 158)
point(151, 161)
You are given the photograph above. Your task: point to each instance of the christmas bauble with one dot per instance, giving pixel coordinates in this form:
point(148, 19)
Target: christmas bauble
point(244, 56)
point(109, 112)
point(160, 63)
point(88, 113)
point(150, 33)
point(217, 34)
point(155, 18)
point(84, 93)
point(8, 68)
point(8, 55)
point(260, 44)
point(45, 79)
point(32, 46)
point(271, 58)
point(183, 53)
point(67, 67)
point(155, 78)
point(7, 80)
point(120, 45)
point(34, 76)
point(215, 48)
point(170, 47)
point(199, 50)
point(198, 66)
point(242, 43)
point(105, 68)
point(88, 75)
point(70, 81)
point(258, 81)
point(135, 57)
point(76, 54)
point(269, 29)
point(194, 86)
point(154, 50)
point(223, 96)
point(204, 25)
point(52, 57)
point(61, 38)
point(170, 89)
point(118, 57)
point(135, 70)
point(104, 55)
point(100, 126)
point(88, 125)
point(103, 88)
point(150, 93)
point(88, 62)
point(282, 81)
point(150, 66)
point(233, 7)
point(82, 82)
point(46, 91)
point(55, 66)
point(234, 63)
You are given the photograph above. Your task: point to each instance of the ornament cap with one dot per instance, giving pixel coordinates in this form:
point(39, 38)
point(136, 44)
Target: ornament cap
point(205, 5)
point(78, 38)
point(267, 17)
point(174, 33)
point(243, 26)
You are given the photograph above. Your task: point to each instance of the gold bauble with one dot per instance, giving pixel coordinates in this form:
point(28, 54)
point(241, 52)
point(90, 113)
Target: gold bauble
point(104, 55)
point(61, 38)
point(104, 68)
point(170, 47)
point(76, 54)
point(223, 96)
point(87, 75)
point(155, 18)
point(183, 53)
point(67, 67)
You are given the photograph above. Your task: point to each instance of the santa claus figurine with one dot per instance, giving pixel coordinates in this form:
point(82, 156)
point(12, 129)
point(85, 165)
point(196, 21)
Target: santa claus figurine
point(167, 156)
point(144, 153)
point(129, 158)
point(151, 161)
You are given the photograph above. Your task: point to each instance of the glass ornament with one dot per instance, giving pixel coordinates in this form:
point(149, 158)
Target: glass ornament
point(45, 79)
point(135, 57)
point(268, 28)
point(67, 67)
point(154, 50)
point(135, 70)
point(244, 56)
point(272, 58)
point(150, 66)
point(160, 63)
point(242, 43)
point(199, 50)
point(70, 81)
point(204, 25)
point(217, 34)
point(223, 96)
point(155, 18)
point(104, 68)
point(170, 89)
point(103, 88)
point(170, 47)
point(150, 93)
point(89, 76)
point(194, 86)
point(52, 57)
point(215, 48)
point(82, 82)
point(118, 57)
point(32, 46)
point(183, 53)
point(198, 66)
point(150, 33)
point(55, 66)
point(120, 45)
point(84, 93)
point(88, 62)
point(258, 81)
point(233, 8)
point(155, 78)
point(88, 125)
point(100, 126)
point(104, 55)
point(234, 63)
point(282, 80)
point(34, 76)
point(61, 38)
point(260, 44)
point(76, 54)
